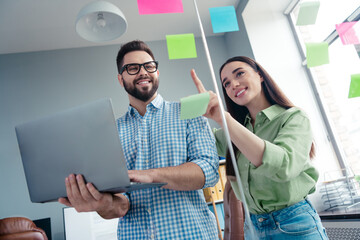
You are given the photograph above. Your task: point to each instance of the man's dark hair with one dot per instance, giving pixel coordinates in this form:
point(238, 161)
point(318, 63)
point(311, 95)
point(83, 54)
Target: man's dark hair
point(135, 45)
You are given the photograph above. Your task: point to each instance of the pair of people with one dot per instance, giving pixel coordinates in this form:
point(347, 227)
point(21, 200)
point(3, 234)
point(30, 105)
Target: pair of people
point(271, 137)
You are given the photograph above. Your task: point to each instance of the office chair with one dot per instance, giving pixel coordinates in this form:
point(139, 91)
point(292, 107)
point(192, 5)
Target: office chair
point(20, 228)
point(234, 215)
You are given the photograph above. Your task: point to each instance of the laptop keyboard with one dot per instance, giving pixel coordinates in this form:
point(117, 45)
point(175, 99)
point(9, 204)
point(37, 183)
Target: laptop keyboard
point(343, 233)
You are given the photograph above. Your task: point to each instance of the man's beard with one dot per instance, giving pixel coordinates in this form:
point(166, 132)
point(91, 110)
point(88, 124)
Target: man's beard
point(144, 95)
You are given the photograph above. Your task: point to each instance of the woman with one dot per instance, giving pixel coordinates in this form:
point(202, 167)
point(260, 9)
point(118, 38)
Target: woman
point(273, 145)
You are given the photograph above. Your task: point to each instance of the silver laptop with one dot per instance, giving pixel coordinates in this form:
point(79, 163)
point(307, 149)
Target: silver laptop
point(81, 140)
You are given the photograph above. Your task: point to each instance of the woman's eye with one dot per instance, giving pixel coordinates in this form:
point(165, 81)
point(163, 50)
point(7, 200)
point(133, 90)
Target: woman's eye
point(239, 74)
point(226, 84)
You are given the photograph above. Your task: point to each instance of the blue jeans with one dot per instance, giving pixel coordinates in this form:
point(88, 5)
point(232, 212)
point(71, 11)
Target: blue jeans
point(298, 221)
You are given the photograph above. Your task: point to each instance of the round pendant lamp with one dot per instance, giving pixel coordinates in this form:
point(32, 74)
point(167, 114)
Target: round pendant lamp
point(100, 21)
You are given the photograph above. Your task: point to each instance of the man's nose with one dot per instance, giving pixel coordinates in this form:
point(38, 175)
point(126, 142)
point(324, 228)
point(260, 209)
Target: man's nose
point(142, 70)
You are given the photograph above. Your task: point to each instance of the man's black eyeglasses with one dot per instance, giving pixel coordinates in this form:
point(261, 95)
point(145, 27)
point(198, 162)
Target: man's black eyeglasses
point(134, 68)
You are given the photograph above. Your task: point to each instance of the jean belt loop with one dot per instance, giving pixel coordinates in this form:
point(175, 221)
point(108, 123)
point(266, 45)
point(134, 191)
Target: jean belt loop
point(272, 220)
point(308, 201)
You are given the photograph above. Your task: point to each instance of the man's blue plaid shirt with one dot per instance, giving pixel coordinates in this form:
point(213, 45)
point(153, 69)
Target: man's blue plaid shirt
point(160, 139)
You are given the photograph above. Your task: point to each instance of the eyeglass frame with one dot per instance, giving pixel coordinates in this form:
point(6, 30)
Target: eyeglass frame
point(125, 67)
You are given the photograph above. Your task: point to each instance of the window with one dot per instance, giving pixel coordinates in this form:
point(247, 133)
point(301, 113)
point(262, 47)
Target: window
point(341, 114)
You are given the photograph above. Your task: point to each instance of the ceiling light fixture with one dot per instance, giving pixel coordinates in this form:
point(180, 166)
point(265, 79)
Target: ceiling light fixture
point(100, 21)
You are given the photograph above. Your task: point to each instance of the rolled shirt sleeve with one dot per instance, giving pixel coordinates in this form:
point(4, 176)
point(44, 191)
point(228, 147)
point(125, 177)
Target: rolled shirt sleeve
point(286, 156)
point(202, 149)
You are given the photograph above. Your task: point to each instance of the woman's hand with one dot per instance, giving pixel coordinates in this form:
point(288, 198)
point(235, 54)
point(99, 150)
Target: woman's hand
point(213, 110)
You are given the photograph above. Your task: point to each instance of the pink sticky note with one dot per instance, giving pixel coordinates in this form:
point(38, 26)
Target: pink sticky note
point(349, 32)
point(159, 6)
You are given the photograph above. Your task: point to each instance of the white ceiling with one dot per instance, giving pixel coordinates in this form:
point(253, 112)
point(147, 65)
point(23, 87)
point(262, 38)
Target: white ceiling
point(37, 25)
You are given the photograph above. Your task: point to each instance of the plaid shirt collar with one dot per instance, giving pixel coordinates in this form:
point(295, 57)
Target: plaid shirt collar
point(154, 104)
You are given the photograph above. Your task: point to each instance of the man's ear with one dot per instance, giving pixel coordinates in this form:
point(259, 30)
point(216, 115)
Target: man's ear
point(120, 79)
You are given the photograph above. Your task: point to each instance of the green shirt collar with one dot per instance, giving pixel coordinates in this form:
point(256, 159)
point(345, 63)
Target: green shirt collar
point(270, 113)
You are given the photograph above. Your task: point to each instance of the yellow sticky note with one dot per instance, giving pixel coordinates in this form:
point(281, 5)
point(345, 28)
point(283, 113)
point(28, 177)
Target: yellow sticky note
point(181, 46)
point(354, 86)
point(317, 54)
point(194, 106)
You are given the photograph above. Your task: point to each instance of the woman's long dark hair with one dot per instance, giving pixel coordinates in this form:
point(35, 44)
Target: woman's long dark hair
point(272, 93)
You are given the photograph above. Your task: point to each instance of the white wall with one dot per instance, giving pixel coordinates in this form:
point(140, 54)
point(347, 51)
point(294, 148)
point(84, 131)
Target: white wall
point(274, 47)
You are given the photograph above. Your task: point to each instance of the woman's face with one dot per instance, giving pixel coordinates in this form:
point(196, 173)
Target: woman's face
point(242, 83)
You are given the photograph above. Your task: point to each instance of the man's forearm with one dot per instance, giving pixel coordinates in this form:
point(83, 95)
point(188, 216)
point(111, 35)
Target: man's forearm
point(185, 177)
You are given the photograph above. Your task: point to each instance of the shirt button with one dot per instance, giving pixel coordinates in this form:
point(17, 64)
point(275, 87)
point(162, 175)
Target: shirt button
point(147, 161)
point(260, 219)
point(149, 210)
point(152, 236)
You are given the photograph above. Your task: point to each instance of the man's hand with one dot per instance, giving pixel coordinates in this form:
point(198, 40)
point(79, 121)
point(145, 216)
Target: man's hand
point(84, 197)
point(185, 177)
point(143, 176)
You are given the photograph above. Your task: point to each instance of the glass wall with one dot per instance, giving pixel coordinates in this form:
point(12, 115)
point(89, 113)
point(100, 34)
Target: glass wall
point(340, 176)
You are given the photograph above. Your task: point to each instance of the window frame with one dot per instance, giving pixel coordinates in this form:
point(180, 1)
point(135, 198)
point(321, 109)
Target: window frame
point(330, 129)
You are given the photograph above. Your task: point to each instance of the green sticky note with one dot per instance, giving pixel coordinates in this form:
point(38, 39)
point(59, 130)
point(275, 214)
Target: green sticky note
point(354, 86)
point(307, 13)
point(317, 54)
point(181, 46)
point(194, 106)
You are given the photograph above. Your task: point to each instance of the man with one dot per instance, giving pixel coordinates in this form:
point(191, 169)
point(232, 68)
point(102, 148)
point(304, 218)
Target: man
point(158, 147)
